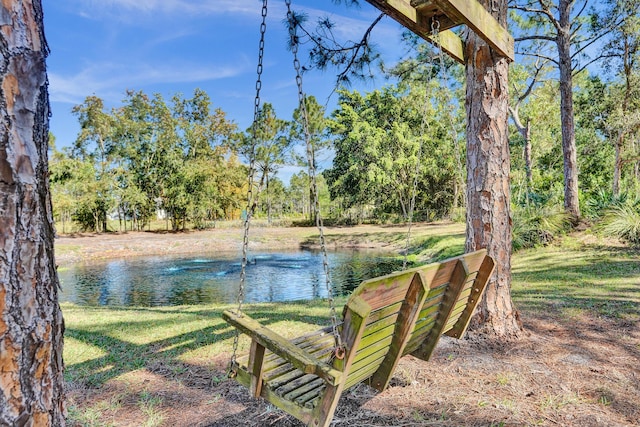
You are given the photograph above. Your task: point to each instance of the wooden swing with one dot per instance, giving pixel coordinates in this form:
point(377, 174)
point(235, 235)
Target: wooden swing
point(383, 320)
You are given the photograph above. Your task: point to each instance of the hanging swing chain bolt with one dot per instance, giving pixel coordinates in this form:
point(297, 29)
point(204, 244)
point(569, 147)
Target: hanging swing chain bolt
point(293, 24)
point(233, 365)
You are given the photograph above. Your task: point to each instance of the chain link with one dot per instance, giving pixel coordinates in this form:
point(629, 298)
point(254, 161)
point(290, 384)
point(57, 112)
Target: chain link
point(312, 175)
point(435, 34)
point(233, 366)
point(424, 124)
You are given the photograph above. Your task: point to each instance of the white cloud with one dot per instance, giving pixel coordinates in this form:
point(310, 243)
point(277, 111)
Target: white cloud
point(110, 80)
point(97, 9)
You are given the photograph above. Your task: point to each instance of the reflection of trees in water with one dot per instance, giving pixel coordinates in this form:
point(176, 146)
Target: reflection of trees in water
point(179, 281)
point(362, 266)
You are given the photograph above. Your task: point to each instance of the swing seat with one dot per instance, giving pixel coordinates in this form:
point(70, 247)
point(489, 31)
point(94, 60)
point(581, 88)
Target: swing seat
point(384, 319)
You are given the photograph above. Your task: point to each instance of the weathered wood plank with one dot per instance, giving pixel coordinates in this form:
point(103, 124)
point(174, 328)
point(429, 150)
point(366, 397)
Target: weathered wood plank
point(289, 390)
point(320, 349)
point(355, 315)
point(256, 357)
point(475, 16)
point(407, 15)
point(306, 341)
point(406, 320)
point(307, 392)
point(383, 312)
point(456, 283)
point(382, 324)
point(388, 291)
point(485, 272)
point(364, 355)
point(277, 344)
point(287, 372)
point(362, 374)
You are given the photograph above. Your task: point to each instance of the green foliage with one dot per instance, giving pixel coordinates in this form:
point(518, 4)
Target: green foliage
point(596, 206)
point(537, 226)
point(147, 157)
point(623, 222)
point(266, 143)
point(380, 149)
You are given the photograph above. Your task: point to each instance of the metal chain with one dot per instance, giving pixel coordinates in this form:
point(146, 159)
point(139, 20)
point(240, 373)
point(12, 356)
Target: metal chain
point(435, 34)
point(312, 175)
point(250, 196)
point(424, 124)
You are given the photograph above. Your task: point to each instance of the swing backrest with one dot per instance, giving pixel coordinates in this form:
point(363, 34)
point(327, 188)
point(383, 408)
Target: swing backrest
point(406, 312)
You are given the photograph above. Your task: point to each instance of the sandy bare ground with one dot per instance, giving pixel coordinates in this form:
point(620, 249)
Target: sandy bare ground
point(89, 246)
point(564, 371)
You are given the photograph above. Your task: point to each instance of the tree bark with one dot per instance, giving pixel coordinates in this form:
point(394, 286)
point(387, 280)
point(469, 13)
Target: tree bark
point(488, 168)
point(31, 325)
point(571, 204)
point(617, 164)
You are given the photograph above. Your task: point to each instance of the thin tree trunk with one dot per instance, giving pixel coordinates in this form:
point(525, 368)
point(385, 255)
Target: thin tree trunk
point(268, 202)
point(571, 204)
point(528, 165)
point(617, 165)
point(488, 168)
point(525, 131)
point(31, 325)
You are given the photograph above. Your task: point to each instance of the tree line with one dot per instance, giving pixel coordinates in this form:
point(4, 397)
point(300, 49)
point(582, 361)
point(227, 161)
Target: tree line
point(393, 150)
point(185, 161)
point(180, 160)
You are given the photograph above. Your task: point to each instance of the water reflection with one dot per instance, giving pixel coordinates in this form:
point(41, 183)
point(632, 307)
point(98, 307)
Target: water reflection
point(271, 277)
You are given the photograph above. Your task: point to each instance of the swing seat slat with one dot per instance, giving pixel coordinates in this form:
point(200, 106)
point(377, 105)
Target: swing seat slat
point(384, 319)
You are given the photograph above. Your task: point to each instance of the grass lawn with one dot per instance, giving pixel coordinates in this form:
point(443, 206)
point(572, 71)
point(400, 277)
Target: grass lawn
point(577, 364)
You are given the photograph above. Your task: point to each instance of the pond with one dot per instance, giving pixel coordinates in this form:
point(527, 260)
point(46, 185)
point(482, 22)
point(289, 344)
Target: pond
point(271, 277)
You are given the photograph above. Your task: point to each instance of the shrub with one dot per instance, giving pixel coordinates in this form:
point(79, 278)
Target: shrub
point(534, 225)
point(623, 222)
point(597, 205)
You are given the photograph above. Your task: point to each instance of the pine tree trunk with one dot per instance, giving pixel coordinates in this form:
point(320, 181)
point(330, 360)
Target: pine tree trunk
point(571, 204)
point(488, 168)
point(31, 325)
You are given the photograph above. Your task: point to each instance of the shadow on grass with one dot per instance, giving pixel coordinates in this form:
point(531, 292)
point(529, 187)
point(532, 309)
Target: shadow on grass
point(593, 282)
point(121, 356)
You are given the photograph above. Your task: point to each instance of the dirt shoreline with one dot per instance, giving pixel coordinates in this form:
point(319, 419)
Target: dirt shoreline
point(86, 247)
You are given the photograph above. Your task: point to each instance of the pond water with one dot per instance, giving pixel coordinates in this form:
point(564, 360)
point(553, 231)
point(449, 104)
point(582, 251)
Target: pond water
point(271, 277)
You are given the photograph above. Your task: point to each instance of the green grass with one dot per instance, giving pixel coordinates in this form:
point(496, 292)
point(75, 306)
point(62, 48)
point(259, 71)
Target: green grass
point(105, 343)
point(576, 279)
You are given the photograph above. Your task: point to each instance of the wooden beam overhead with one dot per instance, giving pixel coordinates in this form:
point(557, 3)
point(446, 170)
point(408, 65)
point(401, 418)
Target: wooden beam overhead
point(406, 15)
point(417, 16)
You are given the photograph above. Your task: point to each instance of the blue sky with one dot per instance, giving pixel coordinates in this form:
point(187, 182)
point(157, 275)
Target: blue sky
point(105, 47)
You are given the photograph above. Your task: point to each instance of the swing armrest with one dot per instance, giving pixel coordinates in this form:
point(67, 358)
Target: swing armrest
point(282, 347)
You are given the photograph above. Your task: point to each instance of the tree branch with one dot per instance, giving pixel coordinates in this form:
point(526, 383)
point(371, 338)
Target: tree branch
point(537, 55)
point(534, 37)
